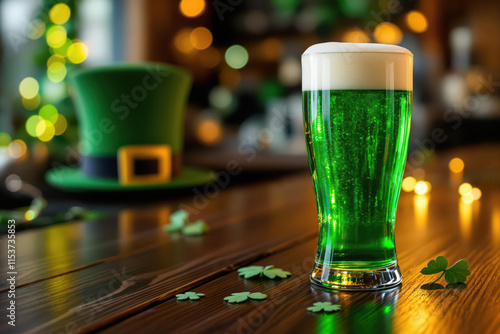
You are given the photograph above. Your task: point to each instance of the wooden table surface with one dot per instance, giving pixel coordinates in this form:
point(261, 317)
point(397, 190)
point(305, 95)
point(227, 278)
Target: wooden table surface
point(121, 274)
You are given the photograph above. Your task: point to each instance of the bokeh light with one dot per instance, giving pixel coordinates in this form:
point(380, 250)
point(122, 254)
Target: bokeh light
point(45, 130)
point(182, 40)
point(236, 56)
point(63, 49)
point(55, 59)
point(31, 124)
point(5, 139)
point(209, 132)
point(408, 184)
point(229, 77)
point(416, 21)
point(464, 188)
point(467, 198)
point(192, 8)
point(56, 72)
point(77, 52)
point(60, 13)
point(422, 187)
point(31, 104)
point(388, 33)
point(476, 193)
point(17, 149)
point(60, 125)
point(456, 165)
point(201, 38)
point(354, 8)
point(220, 97)
point(37, 29)
point(209, 58)
point(271, 49)
point(28, 88)
point(355, 36)
point(49, 113)
point(30, 215)
point(56, 36)
point(289, 72)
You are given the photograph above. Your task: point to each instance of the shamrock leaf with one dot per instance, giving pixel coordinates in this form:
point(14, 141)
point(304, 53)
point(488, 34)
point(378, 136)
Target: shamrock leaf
point(324, 306)
point(457, 273)
point(239, 297)
point(268, 271)
point(190, 296)
point(177, 221)
point(197, 228)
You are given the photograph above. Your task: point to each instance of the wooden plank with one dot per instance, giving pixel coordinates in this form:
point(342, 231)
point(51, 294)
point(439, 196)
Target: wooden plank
point(64, 248)
point(93, 297)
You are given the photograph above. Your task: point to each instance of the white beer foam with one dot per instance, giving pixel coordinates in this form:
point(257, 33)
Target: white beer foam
point(329, 66)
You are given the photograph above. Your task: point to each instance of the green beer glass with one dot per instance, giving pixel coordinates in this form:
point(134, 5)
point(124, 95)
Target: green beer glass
point(357, 102)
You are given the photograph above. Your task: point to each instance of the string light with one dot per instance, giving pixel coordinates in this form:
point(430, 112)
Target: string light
point(192, 8)
point(77, 52)
point(29, 88)
point(236, 56)
point(456, 165)
point(388, 33)
point(60, 13)
point(416, 21)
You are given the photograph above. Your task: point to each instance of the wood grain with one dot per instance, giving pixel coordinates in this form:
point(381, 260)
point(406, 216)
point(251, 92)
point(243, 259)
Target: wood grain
point(120, 275)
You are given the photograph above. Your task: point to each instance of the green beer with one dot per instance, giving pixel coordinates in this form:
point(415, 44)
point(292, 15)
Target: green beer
point(357, 141)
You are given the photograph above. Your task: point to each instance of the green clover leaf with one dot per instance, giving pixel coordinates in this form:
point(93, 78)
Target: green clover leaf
point(324, 306)
point(457, 273)
point(190, 296)
point(197, 228)
point(268, 271)
point(177, 221)
point(240, 297)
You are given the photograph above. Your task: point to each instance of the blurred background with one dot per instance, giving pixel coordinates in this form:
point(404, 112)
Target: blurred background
point(245, 104)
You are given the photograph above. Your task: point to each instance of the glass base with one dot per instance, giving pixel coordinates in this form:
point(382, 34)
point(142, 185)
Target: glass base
point(356, 279)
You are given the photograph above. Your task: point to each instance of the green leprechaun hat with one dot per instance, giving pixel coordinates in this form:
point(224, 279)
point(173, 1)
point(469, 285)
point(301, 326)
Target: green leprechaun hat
point(131, 120)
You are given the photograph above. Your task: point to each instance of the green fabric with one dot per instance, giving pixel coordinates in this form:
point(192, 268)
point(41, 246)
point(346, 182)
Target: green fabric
point(130, 104)
point(71, 179)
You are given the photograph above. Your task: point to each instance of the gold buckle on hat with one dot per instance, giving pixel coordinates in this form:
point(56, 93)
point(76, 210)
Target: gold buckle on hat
point(129, 155)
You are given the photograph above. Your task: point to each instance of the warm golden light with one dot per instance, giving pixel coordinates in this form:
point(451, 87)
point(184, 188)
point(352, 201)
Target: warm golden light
point(31, 104)
point(456, 165)
point(229, 77)
point(464, 189)
point(201, 38)
point(416, 21)
point(30, 215)
point(408, 184)
point(55, 59)
point(192, 8)
point(356, 36)
point(476, 193)
point(467, 198)
point(17, 149)
point(209, 132)
point(421, 205)
point(465, 215)
point(182, 40)
point(209, 58)
point(422, 187)
point(56, 36)
point(271, 49)
point(77, 52)
point(60, 13)
point(388, 33)
point(28, 88)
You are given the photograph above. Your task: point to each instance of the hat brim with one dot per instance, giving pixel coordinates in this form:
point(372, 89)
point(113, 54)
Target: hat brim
point(71, 179)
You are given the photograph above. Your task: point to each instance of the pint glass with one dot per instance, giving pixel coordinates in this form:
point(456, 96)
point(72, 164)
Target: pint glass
point(357, 102)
